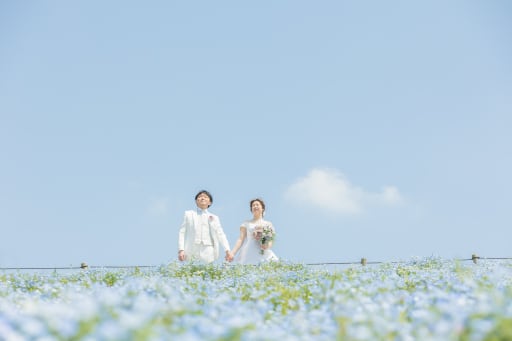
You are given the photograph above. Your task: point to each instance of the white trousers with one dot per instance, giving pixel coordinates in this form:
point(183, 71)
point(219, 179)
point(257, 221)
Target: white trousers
point(202, 253)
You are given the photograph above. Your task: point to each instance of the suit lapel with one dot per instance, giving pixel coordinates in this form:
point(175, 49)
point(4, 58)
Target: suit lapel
point(195, 219)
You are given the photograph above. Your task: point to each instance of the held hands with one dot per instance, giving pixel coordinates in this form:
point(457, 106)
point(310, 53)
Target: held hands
point(229, 256)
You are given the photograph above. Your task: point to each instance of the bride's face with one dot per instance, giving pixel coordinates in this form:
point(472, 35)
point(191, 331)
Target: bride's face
point(257, 209)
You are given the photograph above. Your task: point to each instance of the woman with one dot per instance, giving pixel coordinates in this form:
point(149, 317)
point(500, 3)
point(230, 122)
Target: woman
point(256, 237)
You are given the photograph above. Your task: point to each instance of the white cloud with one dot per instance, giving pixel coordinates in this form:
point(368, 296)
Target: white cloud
point(158, 206)
point(330, 190)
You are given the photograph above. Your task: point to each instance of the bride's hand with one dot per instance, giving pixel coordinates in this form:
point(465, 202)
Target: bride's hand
point(229, 256)
point(258, 233)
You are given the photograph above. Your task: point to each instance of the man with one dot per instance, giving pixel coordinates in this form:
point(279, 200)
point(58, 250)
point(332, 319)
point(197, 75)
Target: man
point(201, 233)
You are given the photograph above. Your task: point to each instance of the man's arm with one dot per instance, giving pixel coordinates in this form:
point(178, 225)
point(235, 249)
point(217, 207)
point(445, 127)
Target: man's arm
point(181, 239)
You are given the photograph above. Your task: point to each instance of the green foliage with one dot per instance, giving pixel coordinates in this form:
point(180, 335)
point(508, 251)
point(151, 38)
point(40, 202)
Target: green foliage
point(110, 278)
point(501, 331)
point(376, 301)
point(204, 271)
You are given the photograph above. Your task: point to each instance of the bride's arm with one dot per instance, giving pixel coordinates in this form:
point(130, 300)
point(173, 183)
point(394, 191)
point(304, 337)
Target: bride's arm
point(240, 241)
point(267, 245)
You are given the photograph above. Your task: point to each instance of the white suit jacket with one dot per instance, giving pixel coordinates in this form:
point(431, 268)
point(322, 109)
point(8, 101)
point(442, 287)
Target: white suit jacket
point(190, 227)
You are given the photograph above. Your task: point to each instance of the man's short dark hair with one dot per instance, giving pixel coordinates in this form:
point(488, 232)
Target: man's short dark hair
point(207, 193)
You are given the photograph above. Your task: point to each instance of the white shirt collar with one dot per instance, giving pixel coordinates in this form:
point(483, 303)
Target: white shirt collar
point(201, 211)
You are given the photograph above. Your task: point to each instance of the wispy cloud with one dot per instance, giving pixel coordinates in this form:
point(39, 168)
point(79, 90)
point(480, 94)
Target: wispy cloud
point(158, 207)
point(329, 189)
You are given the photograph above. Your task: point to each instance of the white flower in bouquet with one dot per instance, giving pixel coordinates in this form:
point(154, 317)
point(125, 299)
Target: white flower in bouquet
point(264, 235)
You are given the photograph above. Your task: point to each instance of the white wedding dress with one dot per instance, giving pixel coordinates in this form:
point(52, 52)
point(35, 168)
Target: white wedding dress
point(250, 251)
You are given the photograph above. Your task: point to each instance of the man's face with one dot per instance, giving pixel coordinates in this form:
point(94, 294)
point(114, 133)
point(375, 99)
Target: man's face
point(203, 201)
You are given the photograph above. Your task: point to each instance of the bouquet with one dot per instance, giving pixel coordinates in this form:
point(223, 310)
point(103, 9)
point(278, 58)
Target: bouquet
point(264, 235)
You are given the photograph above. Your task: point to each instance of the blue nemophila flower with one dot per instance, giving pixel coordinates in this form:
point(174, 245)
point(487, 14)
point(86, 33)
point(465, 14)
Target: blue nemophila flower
point(420, 299)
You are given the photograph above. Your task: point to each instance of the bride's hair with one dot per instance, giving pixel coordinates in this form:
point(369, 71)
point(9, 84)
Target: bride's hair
point(261, 202)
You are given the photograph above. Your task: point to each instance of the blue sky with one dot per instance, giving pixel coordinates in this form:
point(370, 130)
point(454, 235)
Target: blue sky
point(377, 129)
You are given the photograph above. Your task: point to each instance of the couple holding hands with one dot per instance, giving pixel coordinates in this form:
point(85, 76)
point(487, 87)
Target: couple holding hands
point(201, 234)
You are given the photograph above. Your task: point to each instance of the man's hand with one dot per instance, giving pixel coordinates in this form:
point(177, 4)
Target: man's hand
point(181, 255)
point(229, 256)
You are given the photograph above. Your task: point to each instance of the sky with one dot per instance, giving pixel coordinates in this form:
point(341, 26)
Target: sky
point(371, 129)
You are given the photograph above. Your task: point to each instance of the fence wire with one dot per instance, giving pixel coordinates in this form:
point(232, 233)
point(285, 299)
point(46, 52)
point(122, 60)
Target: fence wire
point(84, 266)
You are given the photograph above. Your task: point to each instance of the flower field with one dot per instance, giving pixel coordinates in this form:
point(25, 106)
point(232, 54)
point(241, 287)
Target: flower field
point(421, 299)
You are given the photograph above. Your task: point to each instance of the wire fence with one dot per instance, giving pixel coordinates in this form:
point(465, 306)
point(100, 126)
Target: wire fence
point(474, 258)
point(363, 262)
